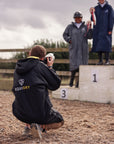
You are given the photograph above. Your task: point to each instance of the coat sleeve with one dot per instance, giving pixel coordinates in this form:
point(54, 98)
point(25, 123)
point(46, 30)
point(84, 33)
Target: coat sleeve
point(52, 79)
point(111, 19)
point(66, 34)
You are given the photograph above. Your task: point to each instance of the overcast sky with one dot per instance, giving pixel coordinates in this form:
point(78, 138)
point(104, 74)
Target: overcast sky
point(24, 21)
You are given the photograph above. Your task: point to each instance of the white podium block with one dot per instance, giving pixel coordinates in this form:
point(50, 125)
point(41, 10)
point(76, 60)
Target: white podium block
point(96, 84)
point(65, 92)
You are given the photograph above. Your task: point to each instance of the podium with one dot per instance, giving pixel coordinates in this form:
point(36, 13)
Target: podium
point(96, 84)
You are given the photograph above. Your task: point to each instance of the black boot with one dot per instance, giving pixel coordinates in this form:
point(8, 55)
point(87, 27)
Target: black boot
point(107, 58)
point(77, 84)
point(100, 63)
point(72, 78)
point(100, 58)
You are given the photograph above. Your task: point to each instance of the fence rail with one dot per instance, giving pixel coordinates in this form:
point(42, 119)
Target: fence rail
point(27, 50)
point(91, 61)
point(11, 71)
point(48, 50)
point(57, 61)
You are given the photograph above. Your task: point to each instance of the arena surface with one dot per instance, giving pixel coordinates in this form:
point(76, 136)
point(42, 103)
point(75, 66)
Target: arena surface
point(85, 123)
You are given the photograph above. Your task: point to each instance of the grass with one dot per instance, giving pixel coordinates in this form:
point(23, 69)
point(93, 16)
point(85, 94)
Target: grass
point(6, 83)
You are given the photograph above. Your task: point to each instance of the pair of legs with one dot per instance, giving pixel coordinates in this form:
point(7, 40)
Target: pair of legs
point(100, 54)
point(72, 78)
point(54, 121)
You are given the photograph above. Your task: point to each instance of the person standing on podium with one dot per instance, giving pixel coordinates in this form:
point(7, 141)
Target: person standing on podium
point(76, 34)
point(102, 31)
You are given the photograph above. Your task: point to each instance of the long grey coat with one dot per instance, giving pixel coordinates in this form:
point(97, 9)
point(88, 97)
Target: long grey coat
point(78, 49)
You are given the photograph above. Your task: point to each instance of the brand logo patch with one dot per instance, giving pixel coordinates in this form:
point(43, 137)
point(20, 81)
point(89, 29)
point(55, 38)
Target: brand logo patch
point(21, 81)
point(106, 11)
point(83, 30)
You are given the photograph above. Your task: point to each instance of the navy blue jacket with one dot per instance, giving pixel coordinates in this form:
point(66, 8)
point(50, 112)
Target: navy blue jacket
point(102, 41)
point(32, 79)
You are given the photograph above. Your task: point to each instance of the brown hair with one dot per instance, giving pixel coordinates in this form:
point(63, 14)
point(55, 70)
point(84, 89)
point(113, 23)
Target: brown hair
point(38, 51)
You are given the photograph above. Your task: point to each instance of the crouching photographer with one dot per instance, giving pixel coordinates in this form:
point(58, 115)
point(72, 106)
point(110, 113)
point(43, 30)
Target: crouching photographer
point(32, 79)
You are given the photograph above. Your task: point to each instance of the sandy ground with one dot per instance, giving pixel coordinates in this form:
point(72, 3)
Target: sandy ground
point(85, 123)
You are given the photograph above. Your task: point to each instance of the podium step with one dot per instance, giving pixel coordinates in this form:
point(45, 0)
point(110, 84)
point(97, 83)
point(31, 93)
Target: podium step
point(96, 84)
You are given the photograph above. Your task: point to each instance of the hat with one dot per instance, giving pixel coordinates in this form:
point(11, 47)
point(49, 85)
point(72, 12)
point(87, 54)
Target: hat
point(78, 14)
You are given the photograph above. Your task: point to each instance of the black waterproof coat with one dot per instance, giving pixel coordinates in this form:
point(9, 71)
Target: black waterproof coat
point(32, 79)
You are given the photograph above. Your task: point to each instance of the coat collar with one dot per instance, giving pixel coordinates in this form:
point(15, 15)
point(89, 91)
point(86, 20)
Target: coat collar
point(33, 57)
point(106, 2)
point(73, 23)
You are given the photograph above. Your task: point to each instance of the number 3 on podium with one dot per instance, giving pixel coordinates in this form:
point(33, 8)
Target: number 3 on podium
point(64, 93)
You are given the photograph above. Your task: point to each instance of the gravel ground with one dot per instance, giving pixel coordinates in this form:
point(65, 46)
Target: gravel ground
point(85, 123)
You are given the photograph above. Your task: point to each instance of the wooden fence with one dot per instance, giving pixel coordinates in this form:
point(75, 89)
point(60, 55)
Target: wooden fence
point(6, 84)
point(66, 61)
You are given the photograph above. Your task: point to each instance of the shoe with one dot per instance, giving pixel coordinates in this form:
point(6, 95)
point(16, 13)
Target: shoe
point(26, 131)
point(36, 130)
point(100, 63)
point(107, 63)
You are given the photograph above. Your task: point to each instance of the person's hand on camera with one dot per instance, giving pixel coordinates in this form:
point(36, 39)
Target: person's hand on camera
point(50, 62)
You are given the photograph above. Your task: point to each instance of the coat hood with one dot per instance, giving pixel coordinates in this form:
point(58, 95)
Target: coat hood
point(25, 65)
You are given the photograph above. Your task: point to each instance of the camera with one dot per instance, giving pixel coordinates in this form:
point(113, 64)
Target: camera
point(45, 60)
point(49, 55)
